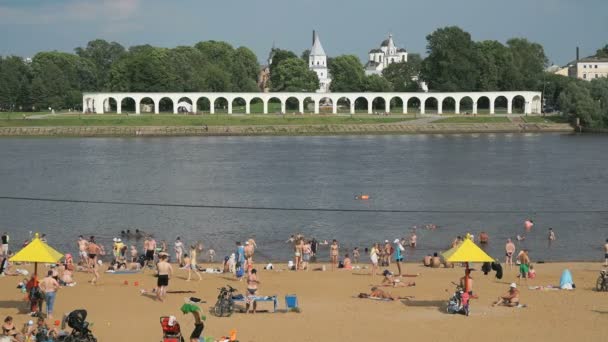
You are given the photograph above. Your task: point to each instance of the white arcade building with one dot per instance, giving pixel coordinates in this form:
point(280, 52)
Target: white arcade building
point(317, 62)
point(387, 54)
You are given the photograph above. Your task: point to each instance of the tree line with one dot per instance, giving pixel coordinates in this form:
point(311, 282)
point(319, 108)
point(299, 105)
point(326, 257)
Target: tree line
point(454, 62)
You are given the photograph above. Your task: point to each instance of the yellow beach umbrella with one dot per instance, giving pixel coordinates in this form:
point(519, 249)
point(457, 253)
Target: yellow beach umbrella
point(467, 251)
point(37, 251)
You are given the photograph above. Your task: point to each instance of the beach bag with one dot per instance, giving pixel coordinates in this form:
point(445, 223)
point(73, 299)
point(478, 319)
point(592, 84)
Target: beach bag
point(239, 272)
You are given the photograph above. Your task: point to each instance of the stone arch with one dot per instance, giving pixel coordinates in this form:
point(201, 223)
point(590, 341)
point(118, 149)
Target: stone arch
point(483, 105)
point(431, 105)
point(466, 105)
point(413, 105)
point(309, 105)
point(256, 105)
point(537, 106)
point(110, 105)
point(326, 105)
point(203, 105)
point(165, 105)
point(89, 105)
point(378, 104)
point(396, 105)
point(292, 104)
point(448, 105)
point(361, 104)
point(147, 105)
point(501, 104)
point(274, 105)
point(239, 105)
point(343, 104)
point(220, 105)
point(518, 104)
point(127, 104)
point(184, 105)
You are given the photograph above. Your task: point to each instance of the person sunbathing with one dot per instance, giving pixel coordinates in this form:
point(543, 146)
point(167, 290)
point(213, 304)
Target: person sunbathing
point(348, 265)
point(511, 298)
point(391, 280)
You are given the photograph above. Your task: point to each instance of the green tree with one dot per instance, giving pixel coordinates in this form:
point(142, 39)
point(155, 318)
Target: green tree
point(452, 59)
point(305, 55)
point(143, 69)
point(403, 75)
point(60, 78)
point(245, 69)
point(15, 79)
point(576, 100)
point(347, 74)
point(293, 75)
point(529, 62)
point(376, 83)
point(102, 54)
point(279, 56)
point(603, 52)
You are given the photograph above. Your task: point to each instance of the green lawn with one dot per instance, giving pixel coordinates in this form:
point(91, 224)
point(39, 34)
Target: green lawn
point(473, 119)
point(195, 120)
point(546, 119)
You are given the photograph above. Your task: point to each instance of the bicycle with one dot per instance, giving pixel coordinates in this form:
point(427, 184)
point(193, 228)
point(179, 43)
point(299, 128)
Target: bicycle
point(224, 307)
point(602, 281)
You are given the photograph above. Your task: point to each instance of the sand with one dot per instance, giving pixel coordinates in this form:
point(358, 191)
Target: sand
point(330, 313)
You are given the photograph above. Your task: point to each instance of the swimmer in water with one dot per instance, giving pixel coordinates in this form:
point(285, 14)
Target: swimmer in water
point(528, 224)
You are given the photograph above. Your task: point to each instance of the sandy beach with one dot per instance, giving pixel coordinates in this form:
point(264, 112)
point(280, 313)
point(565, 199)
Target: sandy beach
point(330, 313)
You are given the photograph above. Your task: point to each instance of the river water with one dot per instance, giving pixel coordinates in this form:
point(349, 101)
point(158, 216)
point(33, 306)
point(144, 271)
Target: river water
point(461, 183)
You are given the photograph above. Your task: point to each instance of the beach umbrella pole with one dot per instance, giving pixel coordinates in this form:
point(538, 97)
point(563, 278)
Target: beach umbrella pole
point(466, 278)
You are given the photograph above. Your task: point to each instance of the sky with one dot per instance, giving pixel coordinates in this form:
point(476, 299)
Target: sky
point(344, 26)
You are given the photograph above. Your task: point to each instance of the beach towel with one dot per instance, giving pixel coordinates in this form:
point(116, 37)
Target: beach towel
point(123, 272)
point(565, 282)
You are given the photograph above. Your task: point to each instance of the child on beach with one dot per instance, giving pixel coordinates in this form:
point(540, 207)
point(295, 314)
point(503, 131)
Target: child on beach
point(356, 255)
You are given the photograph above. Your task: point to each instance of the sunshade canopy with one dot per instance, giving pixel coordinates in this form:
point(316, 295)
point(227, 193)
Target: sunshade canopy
point(37, 251)
point(467, 251)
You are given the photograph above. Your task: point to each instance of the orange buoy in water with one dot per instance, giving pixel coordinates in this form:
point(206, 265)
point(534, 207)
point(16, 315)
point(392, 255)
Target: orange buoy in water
point(362, 197)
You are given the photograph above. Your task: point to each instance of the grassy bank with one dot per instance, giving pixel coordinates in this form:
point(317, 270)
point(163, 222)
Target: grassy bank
point(192, 120)
point(473, 119)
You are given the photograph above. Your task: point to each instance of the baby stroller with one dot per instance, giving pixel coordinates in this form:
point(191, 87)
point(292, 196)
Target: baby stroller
point(171, 332)
point(80, 327)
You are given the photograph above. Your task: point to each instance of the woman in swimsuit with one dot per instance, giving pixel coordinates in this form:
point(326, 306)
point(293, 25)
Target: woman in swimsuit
point(298, 250)
point(333, 253)
point(9, 329)
point(252, 289)
point(373, 255)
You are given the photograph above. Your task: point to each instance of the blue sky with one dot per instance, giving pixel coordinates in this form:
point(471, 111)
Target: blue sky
point(345, 26)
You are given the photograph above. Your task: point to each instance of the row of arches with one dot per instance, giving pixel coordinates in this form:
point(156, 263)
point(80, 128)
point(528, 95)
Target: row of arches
point(336, 104)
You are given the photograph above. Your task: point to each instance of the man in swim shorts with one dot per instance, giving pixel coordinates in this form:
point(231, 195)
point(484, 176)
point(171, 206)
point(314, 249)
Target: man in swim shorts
point(524, 265)
point(511, 298)
point(149, 247)
point(164, 270)
point(198, 326)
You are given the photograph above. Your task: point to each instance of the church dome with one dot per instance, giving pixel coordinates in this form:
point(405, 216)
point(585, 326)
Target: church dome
point(384, 43)
point(375, 50)
point(401, 50)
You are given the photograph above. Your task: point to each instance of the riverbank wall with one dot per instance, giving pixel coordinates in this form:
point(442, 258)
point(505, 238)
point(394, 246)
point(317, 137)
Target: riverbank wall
point(393, 128)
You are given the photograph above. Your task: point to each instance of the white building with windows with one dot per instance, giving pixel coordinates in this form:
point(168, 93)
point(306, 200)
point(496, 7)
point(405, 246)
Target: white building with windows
point(589, 68)
point(317, 62)
point(387, 54)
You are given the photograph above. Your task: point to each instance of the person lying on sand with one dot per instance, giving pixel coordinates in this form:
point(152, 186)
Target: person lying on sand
point(377, 293)
point(390, 280)
point(511, 298)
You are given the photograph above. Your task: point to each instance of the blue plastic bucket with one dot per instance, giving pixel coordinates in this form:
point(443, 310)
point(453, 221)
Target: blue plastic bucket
point(291, 301)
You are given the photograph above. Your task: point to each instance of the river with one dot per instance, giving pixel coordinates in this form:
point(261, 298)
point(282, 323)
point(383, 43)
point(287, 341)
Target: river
point(461, 183)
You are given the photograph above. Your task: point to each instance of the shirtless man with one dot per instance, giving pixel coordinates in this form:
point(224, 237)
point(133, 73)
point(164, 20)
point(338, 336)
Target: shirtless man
point(524, 265)
point(198, 325)
point(249, 250)
point(149, 248)
point(164, 271)
point(466, 282)
point(551, 235)
point(484, 238)
point(511, 298)
point(510, 250)
point(93, 252)
point(82, 250)
point(413, 239)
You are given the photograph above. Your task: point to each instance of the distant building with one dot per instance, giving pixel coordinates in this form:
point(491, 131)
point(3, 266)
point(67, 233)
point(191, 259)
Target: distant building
point(264, 75)
point(588, 68)
point(387, 54)
point(317, 62)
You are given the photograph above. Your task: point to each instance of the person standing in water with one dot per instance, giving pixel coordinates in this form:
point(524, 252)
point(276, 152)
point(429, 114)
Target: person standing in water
point(606, 253)
point(551, 235)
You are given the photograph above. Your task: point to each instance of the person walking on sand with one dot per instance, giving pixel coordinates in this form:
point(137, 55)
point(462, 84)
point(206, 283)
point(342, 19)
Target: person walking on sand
point(373, 256)
point(164, 271)
point(524, 265)
point(198, 323)
point(510, 250)
point(398, 255)
point(49, 287)
point(178, 247)
point(149, 248)
point(333, 253)
point(95, 270)
point(192, 267)
point(93, 252)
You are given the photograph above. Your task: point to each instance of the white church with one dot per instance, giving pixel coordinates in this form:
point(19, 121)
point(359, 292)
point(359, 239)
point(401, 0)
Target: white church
point(387, 54)
point(317, 62)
